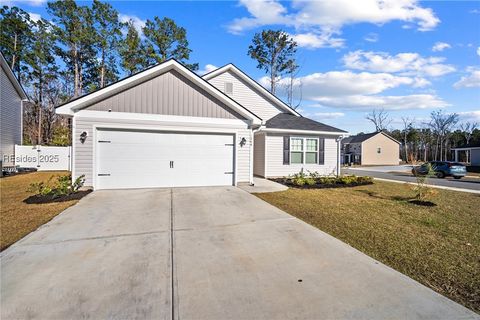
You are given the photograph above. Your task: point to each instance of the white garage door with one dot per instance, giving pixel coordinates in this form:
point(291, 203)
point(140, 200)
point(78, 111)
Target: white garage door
point(145, 159)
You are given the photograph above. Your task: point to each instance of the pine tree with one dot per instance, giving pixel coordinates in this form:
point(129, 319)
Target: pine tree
point(274, 52)
point(15, 37)
point(131, 51)
point(42, 70)
point(74, 28)
point(108, 37)
point(167, 40)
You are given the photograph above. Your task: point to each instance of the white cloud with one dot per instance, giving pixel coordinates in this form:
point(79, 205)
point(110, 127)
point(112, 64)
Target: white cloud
point(478, 51)
point(471, 80)
point(362, 90)
point(440, 46)
point(405, 63)
point(371, 37)
point(34, 16)
point(470, 115)
point(339, 83)
point(32, 3)
point(314, 40)
point(137, 22)
point(332, 14)
point(363, 102)
point(328, 115)
point(208, 68)
point(263, 12)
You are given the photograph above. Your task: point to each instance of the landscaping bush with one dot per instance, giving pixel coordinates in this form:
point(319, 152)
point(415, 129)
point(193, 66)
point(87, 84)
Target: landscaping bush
point(315, 180)
point(63, 189)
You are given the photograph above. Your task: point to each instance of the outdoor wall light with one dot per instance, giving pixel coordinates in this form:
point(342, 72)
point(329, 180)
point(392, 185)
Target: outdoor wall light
point(243, 141)
point(83, 136)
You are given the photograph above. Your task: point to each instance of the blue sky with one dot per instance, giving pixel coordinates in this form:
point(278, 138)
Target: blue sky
point(405, 56)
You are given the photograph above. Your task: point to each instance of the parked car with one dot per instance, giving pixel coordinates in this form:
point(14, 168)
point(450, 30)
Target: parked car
point(442, 169)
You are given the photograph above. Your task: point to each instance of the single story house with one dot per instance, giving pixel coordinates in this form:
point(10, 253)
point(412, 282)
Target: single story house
point(376, 148)
point(12, 97)
point(168, 127)
point(472, 151)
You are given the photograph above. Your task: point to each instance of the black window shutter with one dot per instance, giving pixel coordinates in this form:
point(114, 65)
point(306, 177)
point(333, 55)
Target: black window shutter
point(321, 151)
point(286, 149)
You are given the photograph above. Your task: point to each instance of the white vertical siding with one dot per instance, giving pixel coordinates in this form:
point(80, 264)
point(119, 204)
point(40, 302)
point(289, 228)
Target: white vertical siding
point(11, 118)
point(259, 155)
point(274, 154)
point(84, 152)
point(247, 96)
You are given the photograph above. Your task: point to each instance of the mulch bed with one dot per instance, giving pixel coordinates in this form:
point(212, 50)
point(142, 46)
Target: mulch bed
point(423, 203)
point(320, 185)
point(38, 199)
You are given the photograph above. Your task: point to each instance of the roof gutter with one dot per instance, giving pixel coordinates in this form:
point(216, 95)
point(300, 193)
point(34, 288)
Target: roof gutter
point(276, 130)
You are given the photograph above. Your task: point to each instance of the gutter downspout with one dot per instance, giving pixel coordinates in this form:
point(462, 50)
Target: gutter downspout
point(339, 147)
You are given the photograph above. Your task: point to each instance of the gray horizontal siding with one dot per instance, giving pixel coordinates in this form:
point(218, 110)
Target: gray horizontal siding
point(11, 117)
point(169, 94)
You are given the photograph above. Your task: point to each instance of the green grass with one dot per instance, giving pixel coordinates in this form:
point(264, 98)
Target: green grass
point(437, 246)
point(18, 218)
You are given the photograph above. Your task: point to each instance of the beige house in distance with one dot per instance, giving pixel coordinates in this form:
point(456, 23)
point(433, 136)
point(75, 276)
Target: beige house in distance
point(377, 148)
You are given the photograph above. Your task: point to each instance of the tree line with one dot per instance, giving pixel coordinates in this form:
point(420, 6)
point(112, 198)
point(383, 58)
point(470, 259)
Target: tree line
point(431, 139)
point(81, 49)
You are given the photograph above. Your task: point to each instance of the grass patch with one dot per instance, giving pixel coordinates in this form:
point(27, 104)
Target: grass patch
point(438, 246)
point(19, 218)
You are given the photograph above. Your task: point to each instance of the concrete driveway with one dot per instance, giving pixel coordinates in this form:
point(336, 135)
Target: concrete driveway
point(230, 256)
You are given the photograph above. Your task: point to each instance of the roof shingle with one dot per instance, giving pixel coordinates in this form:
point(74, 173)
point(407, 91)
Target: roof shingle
point(292, 122)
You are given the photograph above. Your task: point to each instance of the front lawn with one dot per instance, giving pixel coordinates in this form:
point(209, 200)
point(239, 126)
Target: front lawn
point(437, 246)
point(19, 218)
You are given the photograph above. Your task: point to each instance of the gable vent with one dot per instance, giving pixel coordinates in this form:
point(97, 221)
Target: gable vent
point(228, 88)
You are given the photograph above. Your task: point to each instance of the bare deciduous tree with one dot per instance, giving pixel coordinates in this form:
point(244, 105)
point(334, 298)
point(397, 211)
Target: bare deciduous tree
point(467, 128)
point(441, 124)
point(293, 85)
point(380, 118)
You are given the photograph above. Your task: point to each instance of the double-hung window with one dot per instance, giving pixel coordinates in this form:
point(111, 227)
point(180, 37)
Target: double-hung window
point(303, 150)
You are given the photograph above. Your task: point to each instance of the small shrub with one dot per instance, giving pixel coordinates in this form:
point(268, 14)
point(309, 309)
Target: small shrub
point(62, 187)
point(421, 189)
point(314, 175)
point(314, 179)
point(310, 181)
point(78, 183)
point(41, 188)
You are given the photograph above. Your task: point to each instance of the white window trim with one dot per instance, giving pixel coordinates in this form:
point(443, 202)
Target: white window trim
point(304, 150)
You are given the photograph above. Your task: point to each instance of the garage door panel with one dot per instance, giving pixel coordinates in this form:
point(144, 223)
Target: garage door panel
point(138, 159)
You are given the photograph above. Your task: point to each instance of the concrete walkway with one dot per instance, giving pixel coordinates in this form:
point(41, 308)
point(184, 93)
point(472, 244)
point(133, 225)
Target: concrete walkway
point(200, 253)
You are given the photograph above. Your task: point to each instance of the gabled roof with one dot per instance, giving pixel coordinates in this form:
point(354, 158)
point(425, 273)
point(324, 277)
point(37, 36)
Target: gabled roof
point(363, 137)
point(86, 100)
point(288, 121)
point(11, 76)
point(242, 75)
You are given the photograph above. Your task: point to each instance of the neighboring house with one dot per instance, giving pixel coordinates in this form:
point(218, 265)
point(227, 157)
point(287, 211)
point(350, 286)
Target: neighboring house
point(168, 127)
point(472, 153)
point(12, 97)
point(377, 148)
